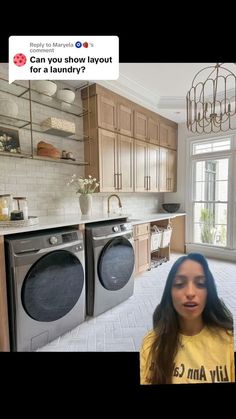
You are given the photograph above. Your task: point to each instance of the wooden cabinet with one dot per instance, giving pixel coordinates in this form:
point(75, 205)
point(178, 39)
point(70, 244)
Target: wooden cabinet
point(146, 127)
point(124, 153)
point(146, 167)
point(115, 114)
point(168, 136)
point(168, 166)
point(115, 154)
point(142, 247)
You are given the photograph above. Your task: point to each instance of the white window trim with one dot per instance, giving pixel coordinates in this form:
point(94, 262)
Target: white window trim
point(212, 251)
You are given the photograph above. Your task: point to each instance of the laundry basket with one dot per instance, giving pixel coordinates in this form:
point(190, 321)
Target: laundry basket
point(156, 238)
point(166, 236)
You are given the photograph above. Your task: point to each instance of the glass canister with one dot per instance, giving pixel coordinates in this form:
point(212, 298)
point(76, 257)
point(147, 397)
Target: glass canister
point(20, 204)
point(5, 207)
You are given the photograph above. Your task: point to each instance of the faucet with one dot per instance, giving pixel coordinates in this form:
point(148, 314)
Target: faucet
point(108, 202)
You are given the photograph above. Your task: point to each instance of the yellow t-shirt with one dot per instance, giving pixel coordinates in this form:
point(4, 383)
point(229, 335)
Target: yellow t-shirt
point(207, 357)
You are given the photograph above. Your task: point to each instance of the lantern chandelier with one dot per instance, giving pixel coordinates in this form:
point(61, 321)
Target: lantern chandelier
point(211, 103)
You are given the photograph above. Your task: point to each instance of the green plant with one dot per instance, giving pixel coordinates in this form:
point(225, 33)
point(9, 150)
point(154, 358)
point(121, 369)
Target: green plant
point(208, 230)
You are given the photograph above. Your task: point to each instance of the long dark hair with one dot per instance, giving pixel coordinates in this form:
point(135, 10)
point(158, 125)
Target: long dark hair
point(166, 325)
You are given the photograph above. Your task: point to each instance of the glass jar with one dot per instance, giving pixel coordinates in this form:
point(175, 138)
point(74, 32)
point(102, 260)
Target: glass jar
point(20, 204)
point(5, 207)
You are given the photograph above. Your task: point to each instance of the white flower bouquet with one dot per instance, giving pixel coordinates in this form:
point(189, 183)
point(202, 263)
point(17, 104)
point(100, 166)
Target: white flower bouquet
point(83, 185)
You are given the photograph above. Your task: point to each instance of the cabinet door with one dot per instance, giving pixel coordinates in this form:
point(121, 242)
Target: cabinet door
point(163, 169)
point(172, 137)
point(106, 112)
point(142, 254)
point(140, 125)
point(171, 171)
point(168, 136)
point(153, 131)
point(153, 168)
point(107, 161)
point(124, 119)
point(125, 163)
point(164, 135)
point(140, 170)
point(167, 170)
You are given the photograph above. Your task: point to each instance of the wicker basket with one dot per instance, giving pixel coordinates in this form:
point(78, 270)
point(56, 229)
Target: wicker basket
point(20, 223)
point(166, 236)
point(156, 238)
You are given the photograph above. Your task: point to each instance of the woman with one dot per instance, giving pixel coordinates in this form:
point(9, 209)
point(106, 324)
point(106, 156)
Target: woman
point(192, 338)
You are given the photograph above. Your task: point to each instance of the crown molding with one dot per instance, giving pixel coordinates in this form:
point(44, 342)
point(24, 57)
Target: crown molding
point(132, 91)
point(172, 102)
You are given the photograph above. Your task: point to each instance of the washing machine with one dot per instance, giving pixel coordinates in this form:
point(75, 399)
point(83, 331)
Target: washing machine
point(109, 265)
point(45, 286)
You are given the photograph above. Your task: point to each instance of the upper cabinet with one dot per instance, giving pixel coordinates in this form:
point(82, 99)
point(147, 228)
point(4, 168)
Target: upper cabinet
point(115, 162)
point(146, 174)
point(114, 114)
point(146, 126)
point(124, 152)
point(168, 136)
point(46, 125)
point(168, 169)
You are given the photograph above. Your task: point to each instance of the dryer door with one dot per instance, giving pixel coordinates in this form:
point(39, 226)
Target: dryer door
point(116, 263)
point(52, 286)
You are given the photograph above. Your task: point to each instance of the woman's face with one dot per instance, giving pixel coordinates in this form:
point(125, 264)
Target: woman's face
point(189, 291)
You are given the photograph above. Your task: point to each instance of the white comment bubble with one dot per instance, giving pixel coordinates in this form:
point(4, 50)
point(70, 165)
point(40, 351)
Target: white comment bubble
point(63, 58)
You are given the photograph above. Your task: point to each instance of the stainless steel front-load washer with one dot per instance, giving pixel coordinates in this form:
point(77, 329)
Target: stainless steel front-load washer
point(45, 286)
point(109, 265)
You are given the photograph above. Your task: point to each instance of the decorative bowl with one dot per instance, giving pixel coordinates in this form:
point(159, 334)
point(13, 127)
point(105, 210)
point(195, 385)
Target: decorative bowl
point(46, 87)
point(171, 207)
point(66, 95)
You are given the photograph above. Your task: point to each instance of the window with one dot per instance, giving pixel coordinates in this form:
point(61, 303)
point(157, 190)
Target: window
point(210, 198)
point(211, 201)
point(211, 146)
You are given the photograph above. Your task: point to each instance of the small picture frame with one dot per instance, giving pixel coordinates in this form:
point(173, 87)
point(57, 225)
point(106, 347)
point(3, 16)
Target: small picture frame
point(9, 140)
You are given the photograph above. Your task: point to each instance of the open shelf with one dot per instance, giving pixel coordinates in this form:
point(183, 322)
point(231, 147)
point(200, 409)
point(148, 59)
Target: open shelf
point(23, 90)
point(14, 122)
point(15, 88)
point(20, 155)
point(54, 103)
point(66, 161)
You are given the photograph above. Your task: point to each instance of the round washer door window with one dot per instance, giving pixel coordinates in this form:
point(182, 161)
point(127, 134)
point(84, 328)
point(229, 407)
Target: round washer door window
point(116, 263)
point(52, 286)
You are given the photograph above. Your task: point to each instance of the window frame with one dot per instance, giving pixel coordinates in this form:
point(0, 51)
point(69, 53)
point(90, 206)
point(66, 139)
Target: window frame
point(190, 176)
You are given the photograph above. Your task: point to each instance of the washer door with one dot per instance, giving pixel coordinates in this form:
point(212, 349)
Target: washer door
point(116, 264)
point(52, 286)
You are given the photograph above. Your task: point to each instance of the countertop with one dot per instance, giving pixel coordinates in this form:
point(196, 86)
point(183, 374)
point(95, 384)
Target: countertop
point(148, 218)
point(55, 221)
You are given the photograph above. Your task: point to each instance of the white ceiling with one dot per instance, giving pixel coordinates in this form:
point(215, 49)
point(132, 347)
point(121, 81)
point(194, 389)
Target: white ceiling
point(161, 87)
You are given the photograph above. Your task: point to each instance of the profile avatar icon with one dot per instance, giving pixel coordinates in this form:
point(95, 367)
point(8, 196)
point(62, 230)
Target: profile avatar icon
point(19, 60)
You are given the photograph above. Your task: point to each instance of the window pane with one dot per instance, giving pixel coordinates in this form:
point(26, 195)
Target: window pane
point(200, 170)
point(210, 223)
point(200, 191)
point(222, 169)
point(221, 190)
point(211, 183)
point(211, 146)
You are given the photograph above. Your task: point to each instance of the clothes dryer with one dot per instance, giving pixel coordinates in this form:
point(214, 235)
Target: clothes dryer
point(109, 265)
point(45, 286)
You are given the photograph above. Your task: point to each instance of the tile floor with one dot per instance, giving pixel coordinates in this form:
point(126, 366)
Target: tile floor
point(123, 327)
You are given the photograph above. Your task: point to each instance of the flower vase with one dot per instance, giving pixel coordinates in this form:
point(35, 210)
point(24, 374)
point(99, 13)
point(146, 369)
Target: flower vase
point(85, 202)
